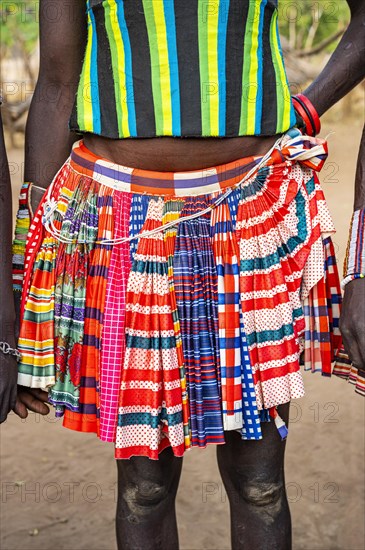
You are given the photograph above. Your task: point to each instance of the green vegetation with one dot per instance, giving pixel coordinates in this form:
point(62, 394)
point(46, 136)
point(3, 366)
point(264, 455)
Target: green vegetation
point(19, 30)
point(308, 24)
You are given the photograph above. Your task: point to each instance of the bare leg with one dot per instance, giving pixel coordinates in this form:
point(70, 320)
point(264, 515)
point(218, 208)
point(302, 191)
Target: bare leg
point(253, 476)
point(146, 516)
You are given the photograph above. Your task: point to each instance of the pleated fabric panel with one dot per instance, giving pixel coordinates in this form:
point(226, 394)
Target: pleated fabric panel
point(196, 287)
point(150, 412)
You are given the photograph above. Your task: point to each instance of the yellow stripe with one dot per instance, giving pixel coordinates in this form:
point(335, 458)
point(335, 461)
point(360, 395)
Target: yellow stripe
point(212, 48)
point(38, 308)
point(29, 342)
point(283, 80)
point(37, 362)
point(122, 92)
point(86, 92)
point(67, 192)
point(41, 293)
point(163, 54)
point(252, 90)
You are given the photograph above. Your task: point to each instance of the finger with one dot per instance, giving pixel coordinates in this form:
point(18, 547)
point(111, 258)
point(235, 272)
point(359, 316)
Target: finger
point(4, 409)
point(39, 394)
point(20, 409)
point(13, 396)
point(32, 403)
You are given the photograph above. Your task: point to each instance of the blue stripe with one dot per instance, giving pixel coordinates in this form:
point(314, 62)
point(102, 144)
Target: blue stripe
point(128, 70)
point(259, 71)
point(310, 186)
point(222, 40)
point(94, 92)
point(174, 66)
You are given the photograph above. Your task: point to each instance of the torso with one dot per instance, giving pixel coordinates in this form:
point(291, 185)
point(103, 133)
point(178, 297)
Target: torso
point(227, 106)
point(189, 86)
point(177, 154)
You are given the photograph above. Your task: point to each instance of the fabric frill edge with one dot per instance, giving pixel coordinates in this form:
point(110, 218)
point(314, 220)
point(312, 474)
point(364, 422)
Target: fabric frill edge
point(347, 371)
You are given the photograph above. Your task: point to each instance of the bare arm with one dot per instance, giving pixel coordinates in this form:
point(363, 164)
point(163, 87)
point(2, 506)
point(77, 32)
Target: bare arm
point(353, 307)
point(344, 70)
point(8, 365)
point(359, 201)
point(47, 145)
point(346, 67)
point(62, 45)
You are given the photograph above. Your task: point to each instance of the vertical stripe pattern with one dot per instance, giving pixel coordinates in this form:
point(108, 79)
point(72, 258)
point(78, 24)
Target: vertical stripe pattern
point(174, 68)
point(199, 327)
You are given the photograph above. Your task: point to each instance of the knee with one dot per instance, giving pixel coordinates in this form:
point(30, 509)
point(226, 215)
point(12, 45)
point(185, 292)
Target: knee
point(262, 493)
point(149, 493)
point(144, 498)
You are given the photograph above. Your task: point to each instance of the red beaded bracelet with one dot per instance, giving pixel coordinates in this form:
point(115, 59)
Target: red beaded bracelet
point(306, 110)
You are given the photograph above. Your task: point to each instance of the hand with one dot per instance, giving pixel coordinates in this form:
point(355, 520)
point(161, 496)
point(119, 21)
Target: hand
point(32, 399)
point(8, 387)
point(352, 323)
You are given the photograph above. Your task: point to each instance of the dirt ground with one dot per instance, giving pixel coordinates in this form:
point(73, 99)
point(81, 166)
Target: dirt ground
point(58, 487)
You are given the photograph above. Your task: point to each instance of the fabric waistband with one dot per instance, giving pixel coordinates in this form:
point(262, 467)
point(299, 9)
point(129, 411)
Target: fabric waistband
point(134, 180)
point(292, 146)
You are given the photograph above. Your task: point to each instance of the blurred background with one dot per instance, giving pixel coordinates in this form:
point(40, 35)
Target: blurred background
point(58, 488)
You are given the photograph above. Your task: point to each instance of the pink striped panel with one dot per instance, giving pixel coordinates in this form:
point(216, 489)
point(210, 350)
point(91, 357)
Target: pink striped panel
point(113, 336)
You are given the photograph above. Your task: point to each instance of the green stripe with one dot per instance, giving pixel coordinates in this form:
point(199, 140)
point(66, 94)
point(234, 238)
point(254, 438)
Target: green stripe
point(65, 397)
point(114, 54)
point(266, 336)
point(42, 372)
point(246, 68)
point(80, 100)
point(145, 418)
point(276, 59)
point(155, 64)
point(150, 267)
point(160, 342)
point(203, 66)
point(37, 317)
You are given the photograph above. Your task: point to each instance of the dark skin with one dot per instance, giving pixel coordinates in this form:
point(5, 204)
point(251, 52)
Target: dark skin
point(352, 321)
point(27, 399)
point(252, 472)
point(8, 365)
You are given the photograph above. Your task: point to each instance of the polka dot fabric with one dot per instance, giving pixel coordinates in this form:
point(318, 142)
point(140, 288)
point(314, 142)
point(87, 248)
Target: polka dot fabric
point(196, 325)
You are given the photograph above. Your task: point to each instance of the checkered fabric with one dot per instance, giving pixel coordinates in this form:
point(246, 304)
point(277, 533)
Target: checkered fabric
point(178, 335)
point(239, 406)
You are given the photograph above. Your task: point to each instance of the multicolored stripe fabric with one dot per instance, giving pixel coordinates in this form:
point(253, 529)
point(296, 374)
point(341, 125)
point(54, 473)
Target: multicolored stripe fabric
point(346, 370)
point(354, 267)
point(22, 224)
point(323, 335)
point(195, 282)
point(355, 254)
point(178, 68)
point(197, 327)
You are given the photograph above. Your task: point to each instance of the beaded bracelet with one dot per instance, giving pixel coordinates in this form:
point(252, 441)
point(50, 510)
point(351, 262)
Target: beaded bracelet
point(354, 265)
point(350, 278)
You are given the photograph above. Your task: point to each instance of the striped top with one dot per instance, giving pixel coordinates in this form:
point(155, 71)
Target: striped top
point(182, 68)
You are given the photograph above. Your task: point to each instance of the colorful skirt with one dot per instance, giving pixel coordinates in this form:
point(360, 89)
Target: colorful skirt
point(163, 309)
